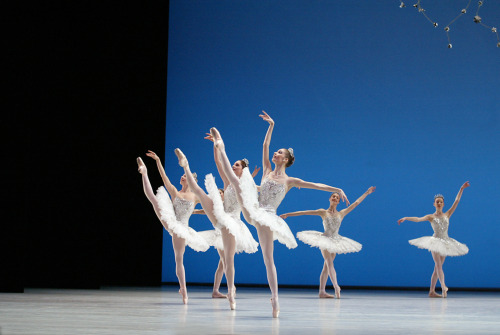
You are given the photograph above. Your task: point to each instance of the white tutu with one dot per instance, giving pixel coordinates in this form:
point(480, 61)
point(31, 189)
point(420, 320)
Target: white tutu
point(259, 215)
point(213, 238)
point(173, 226)
point(334, 244)
point(444, 246)
point(244, 239)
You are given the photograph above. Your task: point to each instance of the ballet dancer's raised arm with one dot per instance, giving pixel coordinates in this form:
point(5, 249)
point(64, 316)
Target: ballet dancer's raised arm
point(457, 199)
point(168, 185)
point(319, 212)
point(347, 210)
point(299, 183)
point(266, 163)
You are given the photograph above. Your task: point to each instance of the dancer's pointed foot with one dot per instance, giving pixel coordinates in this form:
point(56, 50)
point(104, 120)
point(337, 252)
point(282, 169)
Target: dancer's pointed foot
point(444, 291)
point(433, 294)
point(182, 159)
point(217, 295)
point(337, 292)
point(232, 301)
point(276, 307)
point(324, 295)
point(218, 143)
point(183, 292)
point(142, 167)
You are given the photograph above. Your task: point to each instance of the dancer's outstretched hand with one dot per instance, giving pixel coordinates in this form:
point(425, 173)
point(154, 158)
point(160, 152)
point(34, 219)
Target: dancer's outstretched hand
point(209, 137)
point(465, 185)
point(344, 198)
point(255, 171)
point(370, 190)
point(401, 220)
point(283, 216)
point(267, 118)
point(152, 155)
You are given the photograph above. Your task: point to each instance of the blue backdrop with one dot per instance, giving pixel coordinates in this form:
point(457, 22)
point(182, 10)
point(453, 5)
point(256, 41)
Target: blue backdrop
point(366, 93)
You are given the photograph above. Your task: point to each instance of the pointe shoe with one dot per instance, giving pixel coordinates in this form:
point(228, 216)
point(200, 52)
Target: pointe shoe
point(444, 291)
point(142, 167)
point(182, 159)
point(184, 296)
point(337, 292)
point(218, 143)
point(276, 307)
point(232, 301)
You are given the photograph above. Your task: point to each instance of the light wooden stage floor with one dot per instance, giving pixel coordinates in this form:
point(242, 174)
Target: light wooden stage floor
point(118, 310)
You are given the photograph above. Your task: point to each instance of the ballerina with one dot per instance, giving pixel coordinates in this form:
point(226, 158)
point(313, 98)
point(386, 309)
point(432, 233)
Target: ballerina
point(235, 237)
point(439, 244)
point(174, 217)
point(330, 242)
point(261, 212)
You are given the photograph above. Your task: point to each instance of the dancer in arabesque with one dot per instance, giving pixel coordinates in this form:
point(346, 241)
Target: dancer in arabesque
point(261, 211)
point(439, 244)
point(174, 216)
point(235, 237)
point(330, 242)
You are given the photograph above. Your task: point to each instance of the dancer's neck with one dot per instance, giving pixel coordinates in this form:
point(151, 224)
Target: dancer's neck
point(332, 209)
point(279, 170)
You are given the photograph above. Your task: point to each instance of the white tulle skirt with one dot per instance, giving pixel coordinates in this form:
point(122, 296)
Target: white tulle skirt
point(167, 217)
point(242, 235)
point(213, 238)
point(334, 244)
point(443, 246)
point(279, 227)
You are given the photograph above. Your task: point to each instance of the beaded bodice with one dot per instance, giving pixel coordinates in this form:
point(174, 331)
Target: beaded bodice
point(271, 194)
point(183, 209)
point(231, 204)
point(440, 226)
point(331, 223)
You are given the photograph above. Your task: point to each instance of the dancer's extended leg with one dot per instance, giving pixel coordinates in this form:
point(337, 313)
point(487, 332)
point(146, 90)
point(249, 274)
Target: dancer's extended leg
point(266, 243)
point(329, 258)
point(228, 170)
point(179, 245)
point(229, 250)
point(218, 276)
point(148, 190)
point(439, 260)
point(322, 282)
point(205, 200)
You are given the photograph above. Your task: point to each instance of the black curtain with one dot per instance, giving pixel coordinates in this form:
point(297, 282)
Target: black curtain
point(94, 98)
